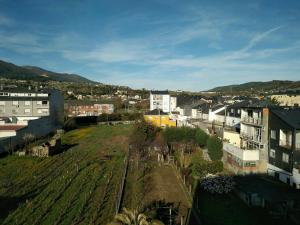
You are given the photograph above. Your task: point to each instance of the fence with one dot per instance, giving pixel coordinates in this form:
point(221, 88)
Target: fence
point(121, 188)
point(187, 187)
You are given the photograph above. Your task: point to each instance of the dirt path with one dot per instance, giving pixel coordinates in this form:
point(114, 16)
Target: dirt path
point(161, 184)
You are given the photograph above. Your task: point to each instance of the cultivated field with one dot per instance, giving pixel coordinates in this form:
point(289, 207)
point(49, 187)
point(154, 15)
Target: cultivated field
point(78, 186)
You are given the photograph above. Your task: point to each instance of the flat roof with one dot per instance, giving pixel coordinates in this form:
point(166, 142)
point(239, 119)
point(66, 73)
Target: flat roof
point(160, 92)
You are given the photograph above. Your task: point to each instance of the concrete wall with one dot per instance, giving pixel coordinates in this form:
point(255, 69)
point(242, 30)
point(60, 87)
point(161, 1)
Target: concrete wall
point(38, 128)
point(232, 137)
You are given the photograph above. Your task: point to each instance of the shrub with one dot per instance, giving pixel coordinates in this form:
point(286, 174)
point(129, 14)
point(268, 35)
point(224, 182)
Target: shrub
point(201, 137)
point(215, 146)
point(218, 184)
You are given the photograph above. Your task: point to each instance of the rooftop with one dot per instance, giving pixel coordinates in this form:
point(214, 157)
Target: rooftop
point(160, 92)
point(11, 127)
point(291, 116)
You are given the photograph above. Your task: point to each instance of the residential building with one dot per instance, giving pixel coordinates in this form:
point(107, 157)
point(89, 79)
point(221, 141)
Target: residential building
point(79, 108)
point(162, 100)
point(292, 99)
point(213, 116)
point(247, 151)
point(284, 148)
point(30, 104)
point(37, 112)
point(159, 118)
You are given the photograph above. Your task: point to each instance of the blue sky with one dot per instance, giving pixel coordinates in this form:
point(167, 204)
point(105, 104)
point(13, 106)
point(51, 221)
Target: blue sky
point(155, 44)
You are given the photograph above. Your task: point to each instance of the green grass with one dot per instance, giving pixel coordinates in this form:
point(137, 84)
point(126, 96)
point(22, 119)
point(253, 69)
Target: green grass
point(78, 186)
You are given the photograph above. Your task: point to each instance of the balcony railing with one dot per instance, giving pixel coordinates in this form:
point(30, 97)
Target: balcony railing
point(248, 137)
point(243, 154)
point(251, 120)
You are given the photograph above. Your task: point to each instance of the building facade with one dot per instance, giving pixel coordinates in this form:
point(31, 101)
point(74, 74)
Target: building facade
point(87, 109)
point(159, 119)
point(284, 149)
point(28, 104)
point(247, 151)
point(162, 100)
point(287, 99)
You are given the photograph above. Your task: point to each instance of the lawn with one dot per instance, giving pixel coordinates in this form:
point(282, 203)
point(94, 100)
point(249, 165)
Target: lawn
point(78, 186)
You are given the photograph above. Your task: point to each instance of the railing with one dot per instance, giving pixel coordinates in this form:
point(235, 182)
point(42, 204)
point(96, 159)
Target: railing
point(251, 120)
point(250, 137)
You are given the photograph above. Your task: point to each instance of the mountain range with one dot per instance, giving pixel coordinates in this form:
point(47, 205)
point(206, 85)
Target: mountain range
point(12, 71)
point(268, 86)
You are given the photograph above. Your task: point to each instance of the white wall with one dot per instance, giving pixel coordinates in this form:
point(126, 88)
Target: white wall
point(246, 155)
point(173, 103)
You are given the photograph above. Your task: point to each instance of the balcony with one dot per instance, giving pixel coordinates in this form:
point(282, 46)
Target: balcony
point(251, 121)
point(245, 155)
point(250, 138)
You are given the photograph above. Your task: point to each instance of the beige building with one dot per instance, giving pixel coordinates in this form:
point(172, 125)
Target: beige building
point(287, 99)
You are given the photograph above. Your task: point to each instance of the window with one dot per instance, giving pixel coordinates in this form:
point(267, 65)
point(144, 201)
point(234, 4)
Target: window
point(232, 110)
point(44, 102)
point(250, 164)
point(272, 153)
point(27, 103)
point(285, 157)
point(15, 102)
point(2, 102)
point(42, 111)
point(27, 110)
point(273, 134)
point(239, 111)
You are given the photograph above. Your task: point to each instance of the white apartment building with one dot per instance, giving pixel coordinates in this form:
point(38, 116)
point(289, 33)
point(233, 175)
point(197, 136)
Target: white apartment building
point(162, 100)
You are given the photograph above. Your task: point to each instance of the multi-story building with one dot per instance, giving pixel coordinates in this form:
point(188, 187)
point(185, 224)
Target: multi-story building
point(28, 112)
point(284, 148)
point(159, 118)
point(87, 109)
point(291, 99)
point(247, 151)
point(162, 100)
point(30, 104)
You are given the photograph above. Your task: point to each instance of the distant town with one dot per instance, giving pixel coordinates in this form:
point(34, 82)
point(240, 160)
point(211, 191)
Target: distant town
point(215, 142)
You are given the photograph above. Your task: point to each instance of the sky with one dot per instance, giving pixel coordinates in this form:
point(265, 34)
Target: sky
point(156, 44)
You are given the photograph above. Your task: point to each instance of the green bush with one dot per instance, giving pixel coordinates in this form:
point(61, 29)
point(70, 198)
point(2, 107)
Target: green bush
point(215, 148)
point(201, 137)
point(185, 134)
point(200, 167)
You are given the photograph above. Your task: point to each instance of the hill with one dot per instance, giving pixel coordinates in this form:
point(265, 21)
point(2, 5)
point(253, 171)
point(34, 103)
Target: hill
point(269, 86)
point(12, 71)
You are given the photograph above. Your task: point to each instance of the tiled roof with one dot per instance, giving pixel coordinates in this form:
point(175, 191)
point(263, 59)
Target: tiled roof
point(11, 127)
